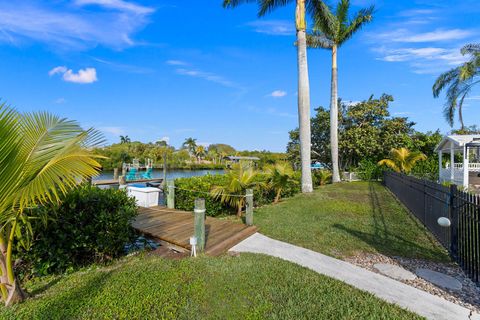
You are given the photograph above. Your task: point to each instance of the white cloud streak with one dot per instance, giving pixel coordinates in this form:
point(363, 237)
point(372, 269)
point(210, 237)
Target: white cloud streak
point(66, 28)
point(278, 94)
point(273, 27)
point(83, 76)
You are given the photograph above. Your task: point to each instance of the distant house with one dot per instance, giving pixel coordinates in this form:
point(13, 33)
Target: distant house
point(467, 172)
point(237, 159)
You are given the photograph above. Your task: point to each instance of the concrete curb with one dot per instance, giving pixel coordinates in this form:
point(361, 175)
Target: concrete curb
point(415, 300)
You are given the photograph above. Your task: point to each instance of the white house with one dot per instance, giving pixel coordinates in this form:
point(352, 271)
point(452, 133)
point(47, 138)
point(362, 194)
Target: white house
point(462, 173)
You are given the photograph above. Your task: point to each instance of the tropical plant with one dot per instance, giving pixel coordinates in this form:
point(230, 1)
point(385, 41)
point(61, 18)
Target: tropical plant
point(331, 31)
point(239, 179)
point(279, 176)
point(458, 83)
point(43, 157)
point(402, 160)
point(190, 144)
point(200, 152)
point(322, 176)
point(124, 139)
point(266, 6)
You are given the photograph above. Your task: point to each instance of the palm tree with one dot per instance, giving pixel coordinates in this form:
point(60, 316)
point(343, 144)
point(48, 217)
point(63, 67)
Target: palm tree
point(266, 6)
point(43, 157)
point(402, 160)
point(190, 144)
point(458, 83)
point(278, 177)
point(124, 139)
point(239, 179)
point(331, 31)
point(199, 152)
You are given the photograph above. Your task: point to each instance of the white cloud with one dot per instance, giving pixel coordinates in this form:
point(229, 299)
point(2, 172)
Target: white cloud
point(205, 144)
point(112, 130)
point(473, 98)
point(206, 76)
point(403, 35)
point(166, 139)
point(278, 94)
point(60, 101)
point(66, 28)
point(87, 75)
point(117, 5)
point(176, 63)
point(273, 27)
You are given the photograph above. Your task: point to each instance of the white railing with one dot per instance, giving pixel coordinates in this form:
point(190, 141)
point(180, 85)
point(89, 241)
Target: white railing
point(445, 175)
point(471, 166)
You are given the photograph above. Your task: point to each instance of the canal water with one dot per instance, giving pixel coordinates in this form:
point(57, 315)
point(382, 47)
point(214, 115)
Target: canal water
point(171, 174)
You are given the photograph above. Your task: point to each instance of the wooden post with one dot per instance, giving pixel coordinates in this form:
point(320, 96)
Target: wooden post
point(171, 194)
point(249, 207)
point(115, 173)
point(199, 226)
point(164, 168)
point(124, 169)
point(465, 167)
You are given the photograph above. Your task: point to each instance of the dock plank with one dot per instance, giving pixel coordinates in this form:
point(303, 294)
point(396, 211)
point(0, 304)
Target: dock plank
point(176, 227)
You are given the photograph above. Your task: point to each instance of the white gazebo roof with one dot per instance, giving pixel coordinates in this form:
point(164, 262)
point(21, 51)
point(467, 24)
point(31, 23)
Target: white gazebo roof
point(457, 141)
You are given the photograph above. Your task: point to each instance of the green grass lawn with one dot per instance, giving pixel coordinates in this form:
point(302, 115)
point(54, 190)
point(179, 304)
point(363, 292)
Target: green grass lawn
point(347, 218)
point(245, 287)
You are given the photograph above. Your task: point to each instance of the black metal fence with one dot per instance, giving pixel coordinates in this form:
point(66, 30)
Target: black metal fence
point(429, 201)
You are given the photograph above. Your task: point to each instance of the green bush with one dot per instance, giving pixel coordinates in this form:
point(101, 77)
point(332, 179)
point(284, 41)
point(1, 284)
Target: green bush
point(321, 177)
point(369, 170)
point(90, 225)
point(188, 189)
point(184, 199)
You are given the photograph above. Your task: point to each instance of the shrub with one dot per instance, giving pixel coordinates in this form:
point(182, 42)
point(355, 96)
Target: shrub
point(184, 199)
point(369, 170)
point(321, 177)
point(90, 225)
point(201, 187)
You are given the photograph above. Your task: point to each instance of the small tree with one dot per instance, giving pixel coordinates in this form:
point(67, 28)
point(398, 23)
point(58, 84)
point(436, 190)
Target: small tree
point(239, 179)
point(43, 157)
point(402, 160)
point(278, 177)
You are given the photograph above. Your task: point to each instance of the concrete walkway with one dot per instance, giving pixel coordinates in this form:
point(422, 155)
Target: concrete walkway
point(415, 300)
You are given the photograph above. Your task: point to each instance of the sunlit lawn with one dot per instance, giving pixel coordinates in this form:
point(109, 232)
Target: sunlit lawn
point(245, 287)
point(348, 218)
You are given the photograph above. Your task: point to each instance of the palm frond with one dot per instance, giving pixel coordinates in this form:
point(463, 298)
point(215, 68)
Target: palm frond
point(317, 40)
point(235, 3)
point(324, 20)
point(360, 19)
point(267, 6)
point(444, 80)
point(389, 163)
point(471, 48)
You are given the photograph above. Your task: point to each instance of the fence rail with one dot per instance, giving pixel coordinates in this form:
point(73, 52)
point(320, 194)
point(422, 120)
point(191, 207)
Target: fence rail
point(429, 201)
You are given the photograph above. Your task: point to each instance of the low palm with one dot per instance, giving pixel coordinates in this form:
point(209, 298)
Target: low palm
point(43, 157)
point(331, 31)
point(458, 83)
point(402, 160)
point(190, 144)
point(278, 177)
point(239, 179)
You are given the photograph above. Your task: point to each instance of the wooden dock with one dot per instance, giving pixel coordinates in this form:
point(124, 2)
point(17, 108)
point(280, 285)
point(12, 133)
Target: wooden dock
point(173, 228)
point(112, 182)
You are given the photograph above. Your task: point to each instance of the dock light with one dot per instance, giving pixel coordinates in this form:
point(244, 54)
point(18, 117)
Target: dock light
point(193, 243)
point(444, 222)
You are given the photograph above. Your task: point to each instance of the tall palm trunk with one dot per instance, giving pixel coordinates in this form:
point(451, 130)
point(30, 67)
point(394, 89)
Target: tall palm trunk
point(460, 118)
point(303, 97)
point(334, 118)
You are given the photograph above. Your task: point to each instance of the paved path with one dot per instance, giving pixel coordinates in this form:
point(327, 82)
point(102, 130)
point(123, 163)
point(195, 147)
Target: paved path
point(415, 300)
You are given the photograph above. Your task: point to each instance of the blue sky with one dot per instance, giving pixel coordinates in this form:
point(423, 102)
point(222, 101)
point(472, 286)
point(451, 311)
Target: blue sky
point(155, 69)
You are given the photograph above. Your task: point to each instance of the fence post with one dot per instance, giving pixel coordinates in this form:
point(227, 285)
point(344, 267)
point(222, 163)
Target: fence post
point(453, 212)
point(249, 207)
point(171, 194)
point(115, 173)
point(199, 226)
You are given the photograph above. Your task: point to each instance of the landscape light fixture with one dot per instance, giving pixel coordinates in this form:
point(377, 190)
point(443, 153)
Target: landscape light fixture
point(444, 222)
point(193, 243)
